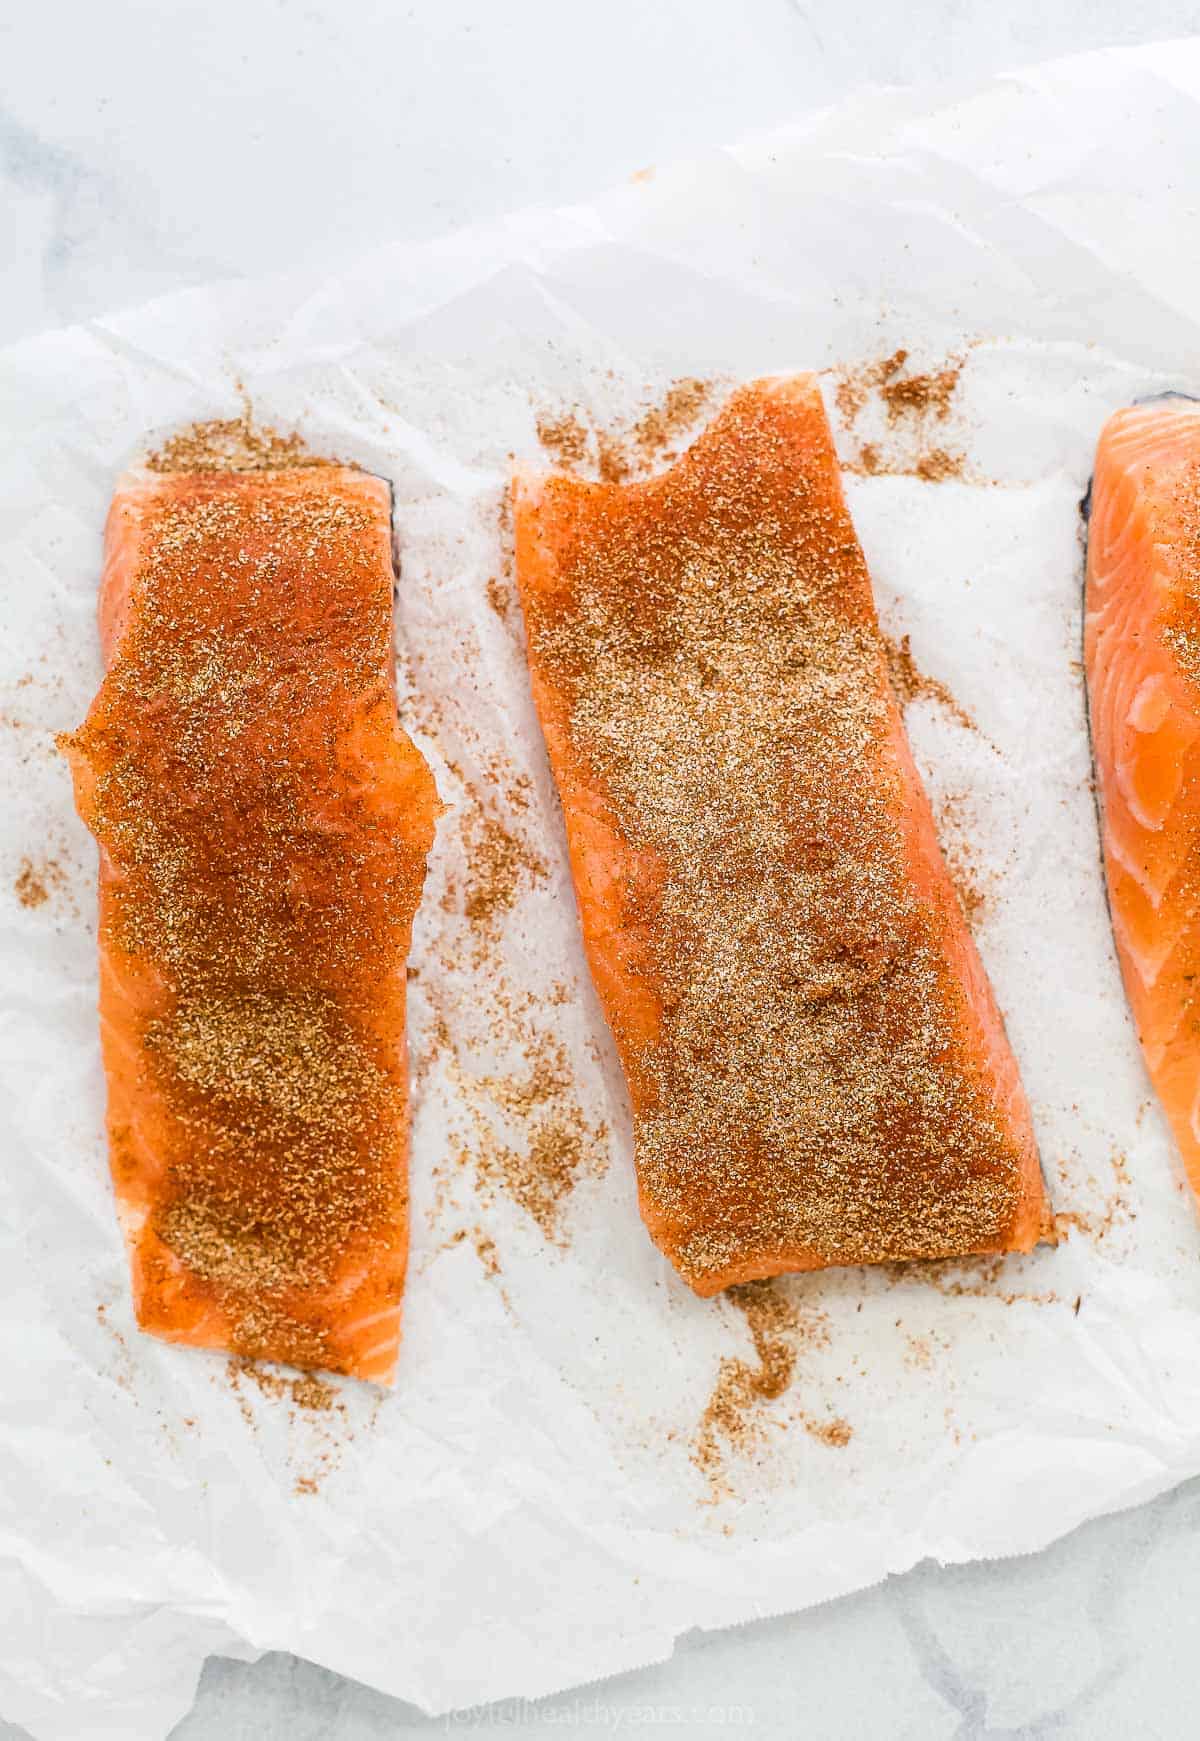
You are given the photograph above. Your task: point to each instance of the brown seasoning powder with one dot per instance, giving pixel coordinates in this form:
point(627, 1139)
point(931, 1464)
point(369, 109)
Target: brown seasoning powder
point(35, 883)
point(733, 1417)
point(911, 404)
point(955, 833)
point(528, 1134)
point(910, 683)
point(628, 451)
point(556, 1146)
point(564, 438)
point(233, 444)
point(920, 395)
point(684, 402)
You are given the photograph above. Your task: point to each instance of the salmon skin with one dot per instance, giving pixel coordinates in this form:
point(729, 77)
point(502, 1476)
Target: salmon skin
point(817, 1067)
point(1142, 660)
point(263, 826)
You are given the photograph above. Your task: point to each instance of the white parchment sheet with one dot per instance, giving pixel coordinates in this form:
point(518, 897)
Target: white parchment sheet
point(526, 1510)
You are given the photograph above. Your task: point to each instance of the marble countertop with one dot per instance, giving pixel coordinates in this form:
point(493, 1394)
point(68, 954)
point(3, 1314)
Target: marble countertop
point(307, 132)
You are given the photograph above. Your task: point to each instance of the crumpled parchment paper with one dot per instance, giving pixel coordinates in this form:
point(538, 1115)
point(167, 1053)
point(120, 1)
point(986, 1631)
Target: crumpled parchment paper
point(580, 1460)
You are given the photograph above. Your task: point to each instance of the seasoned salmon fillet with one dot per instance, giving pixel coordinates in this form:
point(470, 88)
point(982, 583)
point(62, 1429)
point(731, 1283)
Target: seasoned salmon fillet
point(818, 1070)
point(1142, 656)
point(263, 825)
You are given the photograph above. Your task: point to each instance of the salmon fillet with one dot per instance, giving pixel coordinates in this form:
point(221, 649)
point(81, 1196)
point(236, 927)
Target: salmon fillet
point(818, 1070)
point(1142, 657)
point(263, 825)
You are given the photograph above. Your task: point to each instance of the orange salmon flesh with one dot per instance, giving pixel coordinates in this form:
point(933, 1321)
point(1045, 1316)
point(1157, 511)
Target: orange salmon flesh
point(263, 825)
point(1142, 658)
point(818, 1070)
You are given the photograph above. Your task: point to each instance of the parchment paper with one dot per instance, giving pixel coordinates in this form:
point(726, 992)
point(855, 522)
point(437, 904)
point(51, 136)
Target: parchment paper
point(533, 1506)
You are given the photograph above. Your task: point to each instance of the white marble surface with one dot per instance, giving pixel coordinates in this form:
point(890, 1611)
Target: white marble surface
point(144, 147)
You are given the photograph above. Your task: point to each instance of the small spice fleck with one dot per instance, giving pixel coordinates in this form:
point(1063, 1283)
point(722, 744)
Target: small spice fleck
point(733, 1417)
point(937, 465)
point(35, 883)
point(911, 684)
point(564, 438)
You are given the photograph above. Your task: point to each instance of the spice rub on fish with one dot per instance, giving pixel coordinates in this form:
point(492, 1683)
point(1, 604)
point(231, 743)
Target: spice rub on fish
point(1142, 658)
point(818, 1069)
point(263, 825)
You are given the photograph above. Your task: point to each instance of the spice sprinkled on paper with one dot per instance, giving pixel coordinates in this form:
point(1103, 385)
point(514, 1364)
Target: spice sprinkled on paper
point(735, 1417)
point(552, 1145)
point(617, 453)
point(905, 411)
point(233, 444)
point(528, 1135)
point(911, 684)
point(919, 395)
point(662, 427)
point(1109, 1206)
point(956, 834)
point(564, 438)
point(36, 883)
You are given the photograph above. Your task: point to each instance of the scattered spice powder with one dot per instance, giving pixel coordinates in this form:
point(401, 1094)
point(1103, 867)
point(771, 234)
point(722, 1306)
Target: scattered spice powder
point(920, 395)
point(500, 597)
point(529, 1135)
point(485, 1251)
point(311, 1392)
point(956, 837)
point(920, 1353)
point(731, 1415)
point(836, 1433)
point(564, 438)
point(233, 444)
point(975, 1278)
point(656, 431)
point(306, 1392)
point(855, 384)
point(622, 453)
point(911, 684)
point(850, 395)
point(937, 465)
point(934, 466)
point(498, 863)
point(733, 1418)
point(954, 821)
point(910, 405)
point(557, 1146)
point(35, 883)
point(124, 1374)
point(1116, 1208)
point(615, 464)
point(317, 1419)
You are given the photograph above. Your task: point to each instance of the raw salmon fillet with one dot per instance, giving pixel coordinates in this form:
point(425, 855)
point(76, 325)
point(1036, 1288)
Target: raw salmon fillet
point(1142, 655)
point(818, 1070)
point(263, 826)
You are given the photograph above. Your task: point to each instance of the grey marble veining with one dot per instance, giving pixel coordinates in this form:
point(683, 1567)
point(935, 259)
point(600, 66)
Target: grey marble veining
point(146, 149)
point(1092, 1640)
